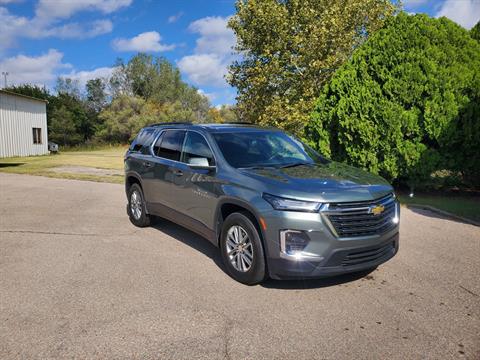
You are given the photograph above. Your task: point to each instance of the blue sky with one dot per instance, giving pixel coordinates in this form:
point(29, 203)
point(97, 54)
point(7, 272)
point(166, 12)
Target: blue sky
point(43, 39)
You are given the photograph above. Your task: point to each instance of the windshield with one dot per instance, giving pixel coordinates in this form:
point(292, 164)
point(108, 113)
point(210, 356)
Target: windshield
point(264, 149)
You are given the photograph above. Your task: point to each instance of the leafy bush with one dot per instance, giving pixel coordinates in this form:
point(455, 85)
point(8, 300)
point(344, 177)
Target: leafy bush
point(406, 104)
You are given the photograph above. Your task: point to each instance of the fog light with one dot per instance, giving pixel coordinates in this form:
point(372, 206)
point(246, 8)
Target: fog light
point(293, 242)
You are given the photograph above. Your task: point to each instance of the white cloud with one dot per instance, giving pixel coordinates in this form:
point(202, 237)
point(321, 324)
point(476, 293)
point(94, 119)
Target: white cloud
point(204, 69)
point(84, 76)
point(210, 96)
point(44, 69)
point(40, 70)
point(9, 1)
point(65, 9)
point(9, 26)
point(215, 37)
point(147, 41)
point(72, 30)
point(49, 21)
point(465, 12)
point(174, 18)
point(212, 54)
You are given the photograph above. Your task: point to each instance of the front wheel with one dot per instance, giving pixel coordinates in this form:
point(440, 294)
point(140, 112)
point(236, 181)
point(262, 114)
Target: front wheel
point(136, 207)
point(242, 250)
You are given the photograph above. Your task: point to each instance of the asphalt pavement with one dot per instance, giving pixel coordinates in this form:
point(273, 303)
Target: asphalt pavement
point(77, 280)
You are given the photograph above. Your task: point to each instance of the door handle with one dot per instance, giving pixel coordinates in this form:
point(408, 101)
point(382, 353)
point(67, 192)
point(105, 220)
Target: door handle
point(177, 172)
point(147, 164)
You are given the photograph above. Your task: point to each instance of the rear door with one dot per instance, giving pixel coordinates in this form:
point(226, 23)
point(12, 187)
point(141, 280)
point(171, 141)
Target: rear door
point(138, 158)
point(166, 169)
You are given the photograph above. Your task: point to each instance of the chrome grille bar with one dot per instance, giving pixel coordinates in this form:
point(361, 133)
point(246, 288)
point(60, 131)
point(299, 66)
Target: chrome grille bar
point(357, 219)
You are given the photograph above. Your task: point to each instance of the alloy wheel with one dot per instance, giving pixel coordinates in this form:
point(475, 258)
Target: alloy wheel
point(136, 205)
point(239, 248)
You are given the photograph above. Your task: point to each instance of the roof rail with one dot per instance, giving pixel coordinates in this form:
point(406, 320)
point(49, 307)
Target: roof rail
point(172, 123)
point(238, 123)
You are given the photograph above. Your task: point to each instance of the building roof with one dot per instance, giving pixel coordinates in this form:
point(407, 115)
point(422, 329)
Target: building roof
point(23, 96)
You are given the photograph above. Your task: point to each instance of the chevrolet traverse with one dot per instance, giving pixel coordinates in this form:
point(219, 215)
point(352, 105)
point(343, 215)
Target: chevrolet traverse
point(272, 205)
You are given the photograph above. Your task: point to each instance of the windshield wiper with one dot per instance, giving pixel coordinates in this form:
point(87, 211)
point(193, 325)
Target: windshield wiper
point(295, 164)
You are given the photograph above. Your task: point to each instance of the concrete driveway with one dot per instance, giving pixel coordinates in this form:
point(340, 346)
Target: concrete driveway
point(77, 280)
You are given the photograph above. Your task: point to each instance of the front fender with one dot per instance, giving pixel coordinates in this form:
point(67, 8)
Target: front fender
point(240, 203)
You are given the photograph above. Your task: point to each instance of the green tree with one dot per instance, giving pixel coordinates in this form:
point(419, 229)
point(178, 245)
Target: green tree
point(224, 114)
point(31, 90)
point(118, 82)
point(68, 86)
point(475, 32)
point(120, 120)
point(96, 96)
point(62, 127)
point(85, 123)
point(289, 50)
point(229, 113)
point(126, 115)
point(156, 79)
point(83, 106)
point(406, 103)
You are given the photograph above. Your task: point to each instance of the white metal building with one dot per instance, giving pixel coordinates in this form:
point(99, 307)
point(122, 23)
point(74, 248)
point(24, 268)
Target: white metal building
point(23, 125)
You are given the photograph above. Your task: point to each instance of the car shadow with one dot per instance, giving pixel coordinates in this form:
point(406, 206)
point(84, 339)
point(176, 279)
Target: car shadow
point(205, 247)
point(191, 239)
point(5, 165)
point(305, 284)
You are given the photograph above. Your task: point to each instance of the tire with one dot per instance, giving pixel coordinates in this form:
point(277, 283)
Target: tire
point(136, 208)
point(244, 251)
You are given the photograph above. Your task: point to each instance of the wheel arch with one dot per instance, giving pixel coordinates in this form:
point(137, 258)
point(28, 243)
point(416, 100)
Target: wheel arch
point(231, 205)
point(130, 179)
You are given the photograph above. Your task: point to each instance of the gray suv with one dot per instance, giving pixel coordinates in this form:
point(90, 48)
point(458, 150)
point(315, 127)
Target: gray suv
point(271, 204)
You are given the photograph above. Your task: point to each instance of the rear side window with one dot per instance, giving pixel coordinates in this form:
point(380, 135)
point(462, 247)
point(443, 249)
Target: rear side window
point(197, 147)
point(170, 146)
point(143, 141)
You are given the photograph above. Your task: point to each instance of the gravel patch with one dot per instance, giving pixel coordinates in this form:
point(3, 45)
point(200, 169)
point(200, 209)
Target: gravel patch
point(87, 170)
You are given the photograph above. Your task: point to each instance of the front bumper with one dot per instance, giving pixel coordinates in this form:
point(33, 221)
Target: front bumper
point(336, 255)
point(336, 264)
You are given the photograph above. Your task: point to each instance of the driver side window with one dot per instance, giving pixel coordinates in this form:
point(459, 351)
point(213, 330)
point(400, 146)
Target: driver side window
point(169, 145)
point(196, 147)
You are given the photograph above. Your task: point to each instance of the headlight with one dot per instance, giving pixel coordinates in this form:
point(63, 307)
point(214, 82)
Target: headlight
point(279, 203)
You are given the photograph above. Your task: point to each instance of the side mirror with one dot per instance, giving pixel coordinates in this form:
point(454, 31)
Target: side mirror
point(200, 163)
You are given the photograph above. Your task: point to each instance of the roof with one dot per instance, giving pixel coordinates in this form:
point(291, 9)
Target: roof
point(225, 127)
point(23, 96)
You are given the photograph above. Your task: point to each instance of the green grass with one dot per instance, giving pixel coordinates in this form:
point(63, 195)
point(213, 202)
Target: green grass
point(106, 158)
point(461, 205)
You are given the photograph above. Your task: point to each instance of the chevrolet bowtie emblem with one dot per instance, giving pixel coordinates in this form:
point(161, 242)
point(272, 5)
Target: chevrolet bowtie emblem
point(377, 210)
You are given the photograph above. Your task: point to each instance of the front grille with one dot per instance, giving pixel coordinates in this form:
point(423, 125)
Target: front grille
point(357, 219)
point(360, 257)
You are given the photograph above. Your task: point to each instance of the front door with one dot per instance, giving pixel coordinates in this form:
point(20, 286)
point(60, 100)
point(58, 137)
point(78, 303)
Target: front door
point(197, 197)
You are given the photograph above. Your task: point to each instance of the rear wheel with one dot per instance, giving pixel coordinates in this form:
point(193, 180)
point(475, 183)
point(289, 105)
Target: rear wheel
point(136, 207)
point(242, 250)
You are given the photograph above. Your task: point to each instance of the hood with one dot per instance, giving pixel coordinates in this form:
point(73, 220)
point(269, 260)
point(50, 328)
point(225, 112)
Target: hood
point(331, 181)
